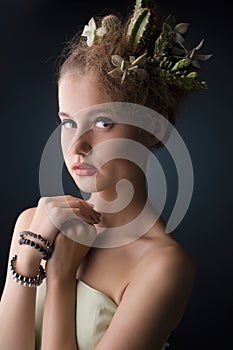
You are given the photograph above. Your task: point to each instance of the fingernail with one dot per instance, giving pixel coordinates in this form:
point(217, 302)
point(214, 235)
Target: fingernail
point(96, 221)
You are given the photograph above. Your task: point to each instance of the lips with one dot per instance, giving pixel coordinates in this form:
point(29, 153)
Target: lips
point(84, 169)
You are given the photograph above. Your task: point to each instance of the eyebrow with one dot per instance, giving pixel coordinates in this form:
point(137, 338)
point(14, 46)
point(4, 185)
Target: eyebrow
point(90, 113)
point(63, 114)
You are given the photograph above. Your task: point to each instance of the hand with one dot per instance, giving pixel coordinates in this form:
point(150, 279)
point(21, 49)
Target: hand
point(65, 260)
point(53, 212)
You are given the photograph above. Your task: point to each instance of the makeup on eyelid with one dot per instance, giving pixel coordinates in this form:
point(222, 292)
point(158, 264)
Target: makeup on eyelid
point(100, 122)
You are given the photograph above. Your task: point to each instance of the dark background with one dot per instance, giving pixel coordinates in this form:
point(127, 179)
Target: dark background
point(32, 34)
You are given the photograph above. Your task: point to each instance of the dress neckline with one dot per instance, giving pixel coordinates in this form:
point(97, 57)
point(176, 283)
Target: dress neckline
point(97, 291)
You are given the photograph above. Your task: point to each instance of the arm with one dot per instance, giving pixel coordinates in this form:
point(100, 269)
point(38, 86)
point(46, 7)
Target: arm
point(17, 307)
point(59, 326)
point(59, 330)
point(152, 305)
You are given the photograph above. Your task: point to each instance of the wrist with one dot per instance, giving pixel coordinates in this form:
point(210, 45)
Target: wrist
point(44, 232)
point(61, 284)
point(28, 261)
point(31, 280)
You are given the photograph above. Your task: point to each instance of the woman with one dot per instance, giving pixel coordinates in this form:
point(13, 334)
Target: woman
point(129, 295)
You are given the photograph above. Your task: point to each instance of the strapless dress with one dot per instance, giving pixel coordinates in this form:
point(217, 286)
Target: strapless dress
point(94, 312)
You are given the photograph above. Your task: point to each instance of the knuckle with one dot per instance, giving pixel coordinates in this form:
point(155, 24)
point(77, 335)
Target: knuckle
point(43, 200)
point(68, 196)
point(54, 210)
point(50, 205)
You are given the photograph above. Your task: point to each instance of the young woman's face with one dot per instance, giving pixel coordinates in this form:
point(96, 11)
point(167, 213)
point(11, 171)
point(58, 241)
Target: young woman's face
point(77, 95)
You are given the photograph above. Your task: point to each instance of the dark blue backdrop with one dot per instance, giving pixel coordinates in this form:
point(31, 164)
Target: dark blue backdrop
point(32, 35)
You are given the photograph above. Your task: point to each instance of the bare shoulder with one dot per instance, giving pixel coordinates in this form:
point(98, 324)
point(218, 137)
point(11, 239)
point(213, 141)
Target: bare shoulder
point(174, 258)
point(166, 280)
point(155, 299)
point(169, 260)
point(164, 253)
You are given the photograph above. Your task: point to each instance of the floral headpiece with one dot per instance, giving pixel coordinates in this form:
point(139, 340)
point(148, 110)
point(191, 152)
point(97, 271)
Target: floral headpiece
point(163, 55)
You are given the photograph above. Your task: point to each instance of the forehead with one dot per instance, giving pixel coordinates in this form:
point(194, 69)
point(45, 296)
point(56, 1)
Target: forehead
point(77, 92)
point(81, 97)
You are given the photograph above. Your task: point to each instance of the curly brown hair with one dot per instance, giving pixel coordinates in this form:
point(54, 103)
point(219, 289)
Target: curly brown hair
point(96, 60)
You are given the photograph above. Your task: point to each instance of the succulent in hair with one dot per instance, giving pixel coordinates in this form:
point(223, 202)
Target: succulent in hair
point(152, 53)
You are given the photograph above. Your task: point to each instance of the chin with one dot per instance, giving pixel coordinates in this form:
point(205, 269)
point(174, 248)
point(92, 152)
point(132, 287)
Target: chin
point(92, 184)
point(86, 184)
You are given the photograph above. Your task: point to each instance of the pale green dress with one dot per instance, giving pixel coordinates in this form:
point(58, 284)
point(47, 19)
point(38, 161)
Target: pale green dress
point(94, 312)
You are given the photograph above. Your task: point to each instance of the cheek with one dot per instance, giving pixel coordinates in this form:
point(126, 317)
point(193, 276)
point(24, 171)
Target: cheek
point(118, 169)
point(66, 142)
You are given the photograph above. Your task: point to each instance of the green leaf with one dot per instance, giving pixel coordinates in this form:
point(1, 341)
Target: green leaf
point(196, 64)
point(142, 28)
point(181, 64)
point(178, 51)
point(123, 77)
point(115, 73)
point(203, 58)
point(199, 45)
point(171, 21)
point(181, 28)
point(191, 53)
point(178, 38)
point(131, 59)
point(125, 65)
point(166, 28)
point(141, 60)
point(192, 75)
point(143, 3)
point(137, 26)
point(116, 60)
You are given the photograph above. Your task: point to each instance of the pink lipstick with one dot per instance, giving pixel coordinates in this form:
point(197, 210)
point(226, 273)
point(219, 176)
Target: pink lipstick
point(84, 169)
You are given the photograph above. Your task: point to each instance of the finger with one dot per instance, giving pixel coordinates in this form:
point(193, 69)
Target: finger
point(84, 210)
point(72, 204)
point(87, 218)
point(65, 199)
point(68, 214)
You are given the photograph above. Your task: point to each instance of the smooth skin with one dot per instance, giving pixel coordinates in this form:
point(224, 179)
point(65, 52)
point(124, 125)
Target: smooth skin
point(150, 279)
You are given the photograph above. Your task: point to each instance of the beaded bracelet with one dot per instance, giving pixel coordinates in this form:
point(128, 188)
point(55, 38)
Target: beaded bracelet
point(46, 254)
point(32, 234)
point(25, 281)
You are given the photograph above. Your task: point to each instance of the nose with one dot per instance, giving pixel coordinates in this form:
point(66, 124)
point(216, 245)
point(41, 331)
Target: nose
point(82, 145)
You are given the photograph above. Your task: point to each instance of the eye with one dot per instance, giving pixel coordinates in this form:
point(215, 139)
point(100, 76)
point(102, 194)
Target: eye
point(103, 122)
point(69, 123)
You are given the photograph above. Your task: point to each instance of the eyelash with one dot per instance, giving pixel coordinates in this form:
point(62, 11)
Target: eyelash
point(98, 119)
point(65, 121)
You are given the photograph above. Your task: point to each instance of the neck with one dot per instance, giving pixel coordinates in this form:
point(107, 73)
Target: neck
point(120, 208)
